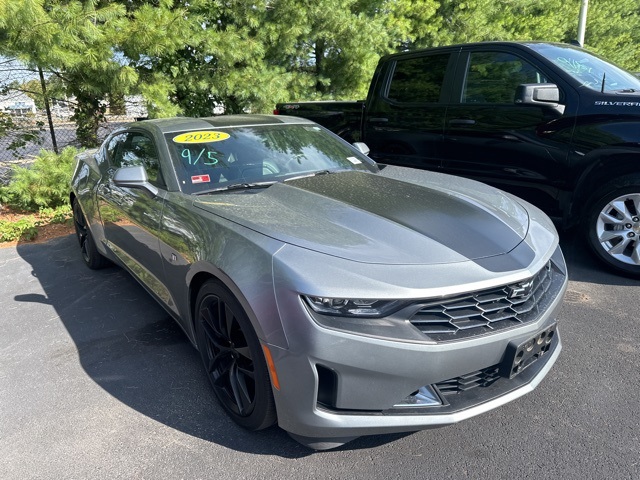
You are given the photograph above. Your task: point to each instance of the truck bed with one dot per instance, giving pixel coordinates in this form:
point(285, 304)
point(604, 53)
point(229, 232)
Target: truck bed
point(342, 118)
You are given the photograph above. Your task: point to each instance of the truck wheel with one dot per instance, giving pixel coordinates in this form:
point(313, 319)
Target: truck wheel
point(613, 225)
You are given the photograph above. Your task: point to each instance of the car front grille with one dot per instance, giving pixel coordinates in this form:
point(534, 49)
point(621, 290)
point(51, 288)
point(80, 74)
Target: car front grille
point(488, 311)
point(479, 378)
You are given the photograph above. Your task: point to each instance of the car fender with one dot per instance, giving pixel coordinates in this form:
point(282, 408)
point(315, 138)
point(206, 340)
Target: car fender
point(229, 254)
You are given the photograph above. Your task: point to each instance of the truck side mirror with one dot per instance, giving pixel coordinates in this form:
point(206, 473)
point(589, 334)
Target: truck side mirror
point(540, 94)
point(361, 147)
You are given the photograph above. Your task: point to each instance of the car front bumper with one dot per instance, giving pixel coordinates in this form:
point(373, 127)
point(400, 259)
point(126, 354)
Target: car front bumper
point(338, 385)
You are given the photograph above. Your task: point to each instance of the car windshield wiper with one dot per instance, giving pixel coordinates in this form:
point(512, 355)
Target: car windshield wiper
point(312, 174)
point(238, 186)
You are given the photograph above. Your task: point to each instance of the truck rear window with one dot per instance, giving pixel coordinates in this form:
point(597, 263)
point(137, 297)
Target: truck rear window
point(418, 79)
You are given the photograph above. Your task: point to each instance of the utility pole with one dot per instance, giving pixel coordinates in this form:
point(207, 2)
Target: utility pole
point(582, 21)
point(45, 96)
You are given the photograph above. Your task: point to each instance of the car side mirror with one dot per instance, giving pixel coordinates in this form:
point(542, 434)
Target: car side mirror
point(134, 177)
point(362, 147)
point(540, 94)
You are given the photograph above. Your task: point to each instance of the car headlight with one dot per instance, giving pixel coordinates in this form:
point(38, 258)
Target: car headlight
point(386, 319)
point(348, 307)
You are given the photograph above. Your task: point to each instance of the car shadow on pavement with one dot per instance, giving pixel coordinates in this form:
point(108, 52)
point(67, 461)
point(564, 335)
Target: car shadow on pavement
point(130, 347)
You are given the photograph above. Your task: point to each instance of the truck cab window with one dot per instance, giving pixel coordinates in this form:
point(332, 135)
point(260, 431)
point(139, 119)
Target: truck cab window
point(419, 79)
point(493, 77)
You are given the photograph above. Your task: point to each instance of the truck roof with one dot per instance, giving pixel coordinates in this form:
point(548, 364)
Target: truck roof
point(458, 46)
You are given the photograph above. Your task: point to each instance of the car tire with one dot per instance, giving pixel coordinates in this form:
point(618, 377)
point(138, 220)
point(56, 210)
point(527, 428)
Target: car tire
point(90, 254)
point(233, 358)
point(612, 225)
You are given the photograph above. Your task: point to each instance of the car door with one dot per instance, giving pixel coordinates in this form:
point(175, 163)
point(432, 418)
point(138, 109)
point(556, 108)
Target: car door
point(521, 148)
point(131, 217)
point(404, 122)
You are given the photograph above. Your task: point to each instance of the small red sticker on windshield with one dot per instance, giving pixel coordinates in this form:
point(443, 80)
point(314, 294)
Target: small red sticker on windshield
point(200, 179)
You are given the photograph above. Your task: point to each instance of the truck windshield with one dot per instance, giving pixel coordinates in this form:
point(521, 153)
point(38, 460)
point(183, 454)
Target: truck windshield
point(591, 71)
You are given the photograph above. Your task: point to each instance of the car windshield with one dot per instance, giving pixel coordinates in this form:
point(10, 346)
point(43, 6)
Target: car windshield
point(591, 71)
point(220, 158)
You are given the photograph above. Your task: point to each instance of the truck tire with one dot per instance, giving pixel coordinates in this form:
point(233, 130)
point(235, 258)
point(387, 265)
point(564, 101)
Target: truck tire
point(612, 225)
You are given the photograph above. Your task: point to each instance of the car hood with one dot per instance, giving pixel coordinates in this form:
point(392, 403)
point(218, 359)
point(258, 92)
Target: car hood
point(374, 218)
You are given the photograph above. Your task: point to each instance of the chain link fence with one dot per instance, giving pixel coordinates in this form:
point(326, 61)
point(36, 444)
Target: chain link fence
point(25, 127)
point(32, 133)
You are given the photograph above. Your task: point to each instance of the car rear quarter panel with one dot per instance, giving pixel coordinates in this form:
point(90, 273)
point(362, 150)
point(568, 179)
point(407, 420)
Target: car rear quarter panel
point(84, 180)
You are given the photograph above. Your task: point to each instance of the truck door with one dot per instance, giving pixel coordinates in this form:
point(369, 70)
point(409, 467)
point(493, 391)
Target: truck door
point(489, 137)
point(404, 122)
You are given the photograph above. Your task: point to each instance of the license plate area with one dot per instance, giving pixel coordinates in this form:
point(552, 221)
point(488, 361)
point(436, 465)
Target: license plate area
point(518, 357)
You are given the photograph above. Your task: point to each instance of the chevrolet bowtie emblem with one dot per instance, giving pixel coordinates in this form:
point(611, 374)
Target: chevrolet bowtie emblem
point(520, 290)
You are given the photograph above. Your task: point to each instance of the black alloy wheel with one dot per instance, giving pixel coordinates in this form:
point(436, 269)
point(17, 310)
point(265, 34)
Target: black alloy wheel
point(233, 358)
point(92, 258)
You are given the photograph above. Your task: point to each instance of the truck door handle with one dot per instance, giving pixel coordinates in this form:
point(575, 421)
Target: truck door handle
point(462, 122)
point(378, 120)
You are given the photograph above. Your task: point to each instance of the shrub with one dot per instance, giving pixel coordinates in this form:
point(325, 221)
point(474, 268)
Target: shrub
point(24, 229)
point(55, 215)
point(45, 184)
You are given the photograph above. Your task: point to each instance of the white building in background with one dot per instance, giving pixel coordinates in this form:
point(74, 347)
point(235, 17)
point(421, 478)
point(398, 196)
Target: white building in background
point(17, 103)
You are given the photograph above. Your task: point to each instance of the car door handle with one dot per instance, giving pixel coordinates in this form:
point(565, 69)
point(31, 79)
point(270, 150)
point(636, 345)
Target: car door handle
point(104, 189)
point(511, 138)
point(378, 120)
point(461, 122)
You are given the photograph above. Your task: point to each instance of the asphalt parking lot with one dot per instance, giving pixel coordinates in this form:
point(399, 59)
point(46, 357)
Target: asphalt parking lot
point(96, 381)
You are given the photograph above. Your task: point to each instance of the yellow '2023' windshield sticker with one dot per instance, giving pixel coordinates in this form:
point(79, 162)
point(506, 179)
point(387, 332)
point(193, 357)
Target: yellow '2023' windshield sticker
point(200, 137)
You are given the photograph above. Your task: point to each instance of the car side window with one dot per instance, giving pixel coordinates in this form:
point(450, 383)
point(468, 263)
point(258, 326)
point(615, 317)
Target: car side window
point(493, 77)
point(113, 146)
point(418, 79)
point(137, 149)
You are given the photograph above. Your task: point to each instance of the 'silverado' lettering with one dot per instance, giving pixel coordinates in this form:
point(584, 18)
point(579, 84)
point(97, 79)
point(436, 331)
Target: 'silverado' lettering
point(604, 103)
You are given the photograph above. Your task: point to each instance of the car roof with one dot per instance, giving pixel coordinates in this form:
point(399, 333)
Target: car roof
point(177, 124)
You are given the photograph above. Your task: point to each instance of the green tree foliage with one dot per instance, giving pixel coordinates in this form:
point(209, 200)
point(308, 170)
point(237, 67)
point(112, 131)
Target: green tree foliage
point(486, 20)
point(74, 39)
point(56, 90)
point(191, 56)
point(613, 30)
point(221, 62)
point(612, 25)
point(329, 48)
point(81, 43)
point(18, 134)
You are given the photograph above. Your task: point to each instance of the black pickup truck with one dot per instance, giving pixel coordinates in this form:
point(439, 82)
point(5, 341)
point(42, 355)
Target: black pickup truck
point(551, 123)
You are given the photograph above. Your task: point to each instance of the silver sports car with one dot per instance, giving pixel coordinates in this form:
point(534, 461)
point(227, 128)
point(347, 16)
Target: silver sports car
point(324, 293)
